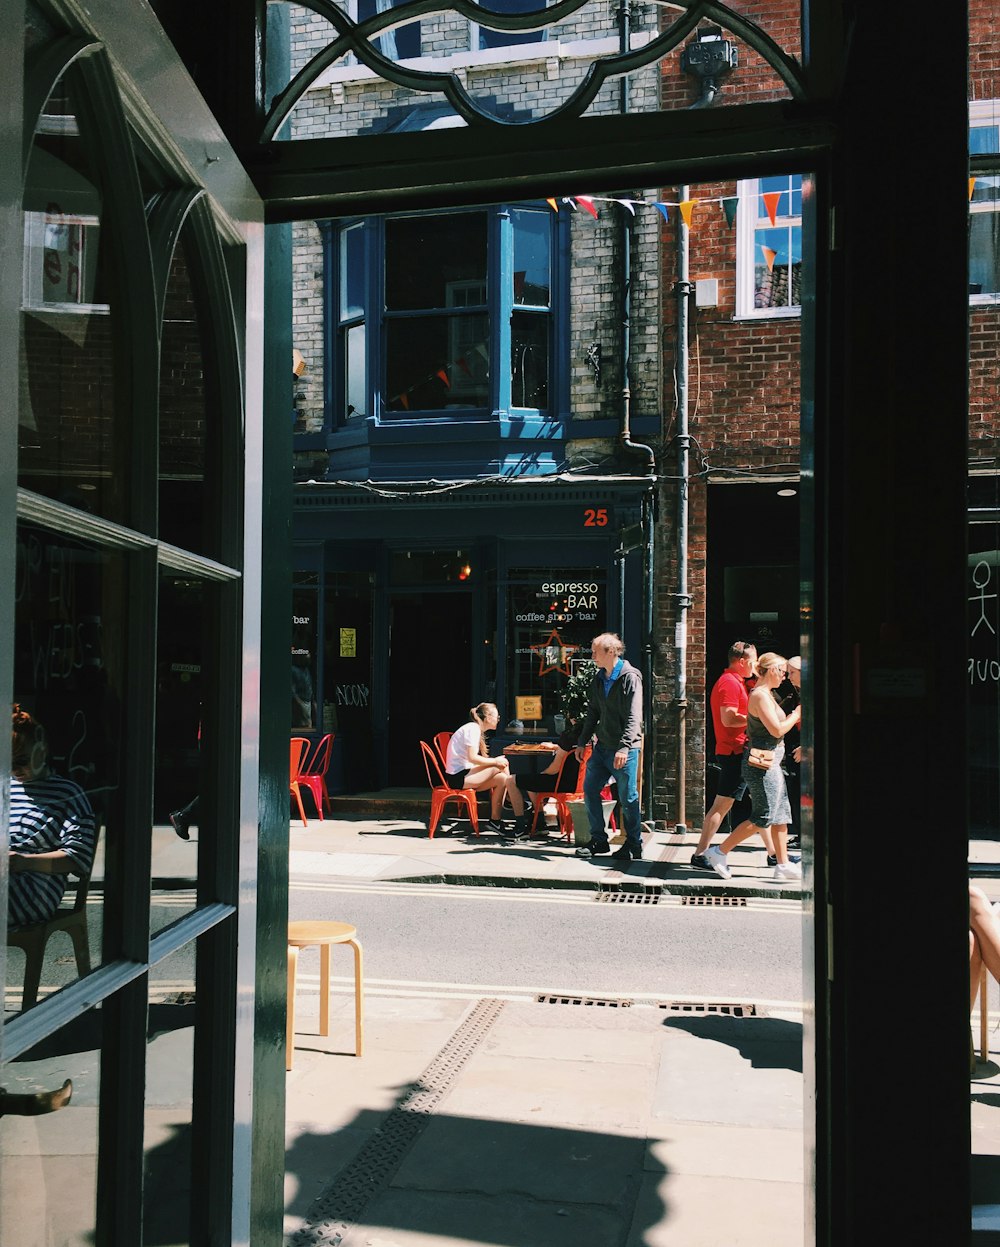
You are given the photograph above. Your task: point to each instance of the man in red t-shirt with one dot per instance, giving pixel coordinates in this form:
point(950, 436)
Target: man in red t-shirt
point(729, 718)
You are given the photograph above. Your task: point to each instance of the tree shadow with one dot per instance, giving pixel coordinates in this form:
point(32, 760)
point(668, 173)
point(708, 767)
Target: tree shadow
point(767, 1043)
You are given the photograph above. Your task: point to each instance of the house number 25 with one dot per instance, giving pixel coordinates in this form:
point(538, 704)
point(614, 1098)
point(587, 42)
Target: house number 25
point(595, 517)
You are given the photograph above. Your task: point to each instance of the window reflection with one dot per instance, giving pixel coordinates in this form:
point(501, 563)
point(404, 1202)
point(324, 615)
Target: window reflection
point(48, 1179)
point(68, 447)
point(169, 1080)
point(69, 655)
point(179, 808)
point(186, 397)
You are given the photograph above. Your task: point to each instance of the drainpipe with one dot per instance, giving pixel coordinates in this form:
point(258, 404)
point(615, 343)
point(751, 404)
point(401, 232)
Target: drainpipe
point(625, 437)
point(683, 289)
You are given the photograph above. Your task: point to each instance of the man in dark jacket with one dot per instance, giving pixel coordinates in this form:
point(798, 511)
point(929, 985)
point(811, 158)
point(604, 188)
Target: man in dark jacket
point(614, 712)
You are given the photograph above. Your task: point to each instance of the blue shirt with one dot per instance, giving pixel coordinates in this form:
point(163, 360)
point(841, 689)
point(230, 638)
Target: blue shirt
point(608, 680)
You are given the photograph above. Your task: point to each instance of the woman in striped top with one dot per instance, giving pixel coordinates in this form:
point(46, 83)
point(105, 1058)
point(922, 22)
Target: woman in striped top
point(51, 827)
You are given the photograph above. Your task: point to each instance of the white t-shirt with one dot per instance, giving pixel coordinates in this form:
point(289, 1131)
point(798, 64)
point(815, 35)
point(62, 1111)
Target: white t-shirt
point(467, 737)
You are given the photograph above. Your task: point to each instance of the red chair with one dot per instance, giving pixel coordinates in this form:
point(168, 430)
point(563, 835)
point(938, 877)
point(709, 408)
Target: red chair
point(299, 746)
point(562, 799)
point(441, 742)
point(441, 794)
point(313, 773)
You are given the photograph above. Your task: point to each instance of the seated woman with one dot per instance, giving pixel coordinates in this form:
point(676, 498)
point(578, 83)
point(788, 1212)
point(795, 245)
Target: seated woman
point(51, 827)
point(540, 785)
point(469, 765)
point(984, 940)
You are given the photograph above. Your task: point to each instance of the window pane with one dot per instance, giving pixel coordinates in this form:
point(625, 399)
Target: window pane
point(305, 632)
point(68, 447)
point(507, 39)
point(187, 407)
point(529, 362)
point(436, 363)
point(984, 253)
point(179, 723)
point(355, 372)
point(778, 267)
point(352, 273)
point(400, 44)
point(789, 187)
point(551, 621)
point(69, 658)
point(984, 139)
point(48, 1171)
point(167, 1173)
point(532, 281)
point(435, 261)
point(430, 567)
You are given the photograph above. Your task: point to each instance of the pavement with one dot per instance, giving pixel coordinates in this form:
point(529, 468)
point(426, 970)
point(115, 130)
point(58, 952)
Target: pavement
point(478, 1120)
point(521, 1121)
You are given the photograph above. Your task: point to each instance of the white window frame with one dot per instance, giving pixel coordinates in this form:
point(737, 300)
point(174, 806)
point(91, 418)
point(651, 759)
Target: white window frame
point(981, 112)
point(746, 253)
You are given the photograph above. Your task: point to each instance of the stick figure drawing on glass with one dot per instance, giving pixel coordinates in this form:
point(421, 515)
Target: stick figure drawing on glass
point(981, 581)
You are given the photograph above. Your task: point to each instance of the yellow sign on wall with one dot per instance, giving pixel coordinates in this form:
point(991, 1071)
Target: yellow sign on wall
point(348, 642)
point(528, 708)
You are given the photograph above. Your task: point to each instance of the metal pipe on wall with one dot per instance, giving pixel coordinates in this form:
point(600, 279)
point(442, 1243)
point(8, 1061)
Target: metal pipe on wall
point(683, 290)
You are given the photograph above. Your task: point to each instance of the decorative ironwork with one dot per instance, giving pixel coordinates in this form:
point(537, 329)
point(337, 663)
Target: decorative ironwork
point(356, 37)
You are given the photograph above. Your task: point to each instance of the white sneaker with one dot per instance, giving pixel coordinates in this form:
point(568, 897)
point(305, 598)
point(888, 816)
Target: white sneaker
point(717, 860)
point(788, 871)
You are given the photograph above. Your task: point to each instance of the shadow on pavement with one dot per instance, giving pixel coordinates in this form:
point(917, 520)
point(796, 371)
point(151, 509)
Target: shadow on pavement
point(510, 1184)
point(767, 1043)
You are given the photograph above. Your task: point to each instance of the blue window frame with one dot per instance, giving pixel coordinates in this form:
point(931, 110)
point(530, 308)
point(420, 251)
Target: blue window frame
point(453, 315)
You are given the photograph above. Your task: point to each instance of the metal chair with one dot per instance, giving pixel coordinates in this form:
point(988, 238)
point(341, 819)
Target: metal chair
point(441, 794)
point(441, 742)
point(313, 773)
point(32, 939)
point(299, 745)
point(562, 799)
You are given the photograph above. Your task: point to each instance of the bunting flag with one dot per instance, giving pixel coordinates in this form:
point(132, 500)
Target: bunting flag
point(729, 206)
point(662, 209)
point(972, 186)
point(552, 204)
point(770, 255)
point(587, 204)
point(687, 210)
point(771, 200)
point(442, 373)
point(460, 363)
point(404, 399)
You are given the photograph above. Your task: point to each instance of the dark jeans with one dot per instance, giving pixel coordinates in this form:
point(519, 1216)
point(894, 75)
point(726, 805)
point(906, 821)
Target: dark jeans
point(600, 769)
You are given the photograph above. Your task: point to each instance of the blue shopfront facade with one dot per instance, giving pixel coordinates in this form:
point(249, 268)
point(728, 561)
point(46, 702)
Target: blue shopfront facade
point(412, 605)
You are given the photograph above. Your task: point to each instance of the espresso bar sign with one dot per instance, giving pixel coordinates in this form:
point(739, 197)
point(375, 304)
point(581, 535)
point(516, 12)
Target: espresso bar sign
point(565, 602)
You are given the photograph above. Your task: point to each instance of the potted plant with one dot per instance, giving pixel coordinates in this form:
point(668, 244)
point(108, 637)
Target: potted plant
point(573, 698)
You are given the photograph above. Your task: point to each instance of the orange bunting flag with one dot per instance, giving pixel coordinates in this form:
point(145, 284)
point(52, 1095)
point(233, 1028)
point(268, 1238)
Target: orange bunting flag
point(687, 210)
point(552, 204)
point(404, 400)
point(770, 255)
point(771, 199)
point(972, 186)
point(444, 377)
point(587, 204)
point(460, 363)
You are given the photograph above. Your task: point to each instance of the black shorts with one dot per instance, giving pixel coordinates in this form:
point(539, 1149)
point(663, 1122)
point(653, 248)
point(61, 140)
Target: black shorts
point(456, 779)
point(731, 782)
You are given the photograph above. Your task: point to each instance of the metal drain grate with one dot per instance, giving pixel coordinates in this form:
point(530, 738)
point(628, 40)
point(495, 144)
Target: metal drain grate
point(732, 902)
point(691, 1006)
point(343, 1204)
point(631, 898)
point(596, 1002)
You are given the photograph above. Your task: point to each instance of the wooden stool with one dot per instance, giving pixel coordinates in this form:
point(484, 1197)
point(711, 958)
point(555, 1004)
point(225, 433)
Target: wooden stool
point(323, 934)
